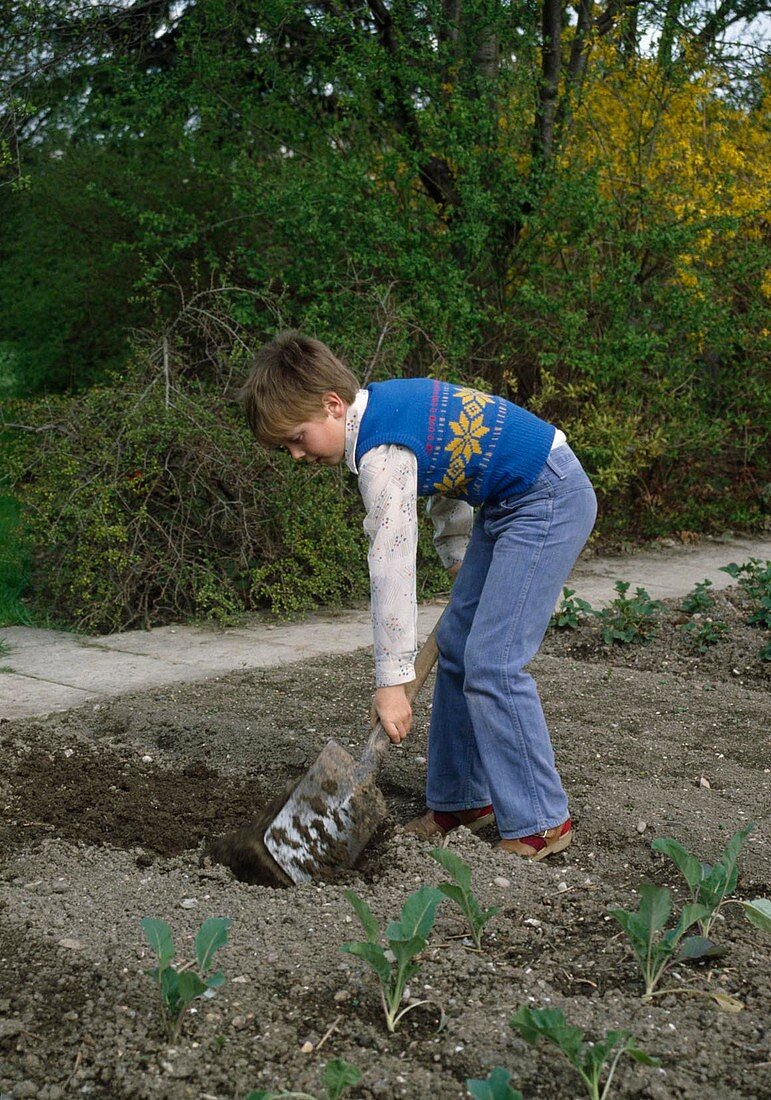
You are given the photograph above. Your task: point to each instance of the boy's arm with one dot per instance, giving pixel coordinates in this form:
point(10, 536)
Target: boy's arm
point(388, 481)
point(452, 520)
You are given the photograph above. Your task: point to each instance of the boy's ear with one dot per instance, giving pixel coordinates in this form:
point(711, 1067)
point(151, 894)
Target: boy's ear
point(334, 404)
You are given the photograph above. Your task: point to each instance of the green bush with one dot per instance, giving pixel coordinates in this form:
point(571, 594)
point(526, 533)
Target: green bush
point(138, 514)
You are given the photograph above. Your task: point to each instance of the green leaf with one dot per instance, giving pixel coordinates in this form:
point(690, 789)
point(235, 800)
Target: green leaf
point(688, 865)
point(549, 1023)
point(170, 990)
point(373, 954)
point(215, 980)
point(725, 873)
point(454, 866)
point(640, 1056)
point(365, 915)
point(655, 907)
point(494, 1087)
point(699, 947)
point(404, 950)
point(759, 912)
point(454, 892)
point(690, 915)
point(338, 1076)
point(189, 986)
point(212, 935)
point(417, 916)
point(158, 935)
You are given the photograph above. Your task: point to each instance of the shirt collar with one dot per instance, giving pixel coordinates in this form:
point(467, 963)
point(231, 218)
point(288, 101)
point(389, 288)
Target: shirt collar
point(352, 425)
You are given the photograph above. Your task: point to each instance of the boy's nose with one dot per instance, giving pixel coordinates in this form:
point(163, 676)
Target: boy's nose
point(296, 452)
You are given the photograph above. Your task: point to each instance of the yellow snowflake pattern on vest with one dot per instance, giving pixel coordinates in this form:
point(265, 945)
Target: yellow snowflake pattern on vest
point(467, 430)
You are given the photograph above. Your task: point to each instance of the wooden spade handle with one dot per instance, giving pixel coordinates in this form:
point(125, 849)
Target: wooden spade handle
point(379, 740)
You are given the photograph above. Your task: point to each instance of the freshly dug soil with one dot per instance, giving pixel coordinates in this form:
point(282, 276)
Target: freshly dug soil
point(108, 810)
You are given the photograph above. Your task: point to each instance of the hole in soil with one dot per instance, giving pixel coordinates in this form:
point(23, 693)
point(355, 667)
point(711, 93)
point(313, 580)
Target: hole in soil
point(102, 797)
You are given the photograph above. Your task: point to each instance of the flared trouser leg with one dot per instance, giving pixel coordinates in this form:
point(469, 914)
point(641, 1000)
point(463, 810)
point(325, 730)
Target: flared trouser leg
point(488, 740)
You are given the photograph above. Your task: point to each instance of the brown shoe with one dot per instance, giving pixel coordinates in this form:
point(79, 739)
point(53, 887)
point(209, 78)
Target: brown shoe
point(438, 823)
point(540, 845)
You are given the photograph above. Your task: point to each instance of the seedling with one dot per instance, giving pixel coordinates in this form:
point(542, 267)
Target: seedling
point(178, 988)
point(394, 966)
point(460, 892)
point(494, 1087)
point(699, 599)
point(755, 578)
point(338, 1076)
point(712, 886)
point(706, 633)
point(589, 1060)
point(627, 620)
point(571, 611)
point(656, 949)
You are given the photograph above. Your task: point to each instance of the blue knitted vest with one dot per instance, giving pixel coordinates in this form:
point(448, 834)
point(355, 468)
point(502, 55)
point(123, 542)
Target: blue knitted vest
point(468, 444)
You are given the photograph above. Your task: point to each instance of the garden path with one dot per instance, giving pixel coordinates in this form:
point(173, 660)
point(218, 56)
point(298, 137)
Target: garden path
point(50, 670)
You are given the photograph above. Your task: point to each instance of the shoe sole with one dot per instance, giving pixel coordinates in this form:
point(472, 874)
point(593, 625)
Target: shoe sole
point(439, 834)
point(558, 845)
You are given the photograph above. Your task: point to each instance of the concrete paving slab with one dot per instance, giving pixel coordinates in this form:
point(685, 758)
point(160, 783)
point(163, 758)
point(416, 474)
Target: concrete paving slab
point(24, 697)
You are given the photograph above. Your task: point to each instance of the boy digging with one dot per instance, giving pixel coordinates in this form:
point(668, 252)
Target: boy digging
point(490, 756)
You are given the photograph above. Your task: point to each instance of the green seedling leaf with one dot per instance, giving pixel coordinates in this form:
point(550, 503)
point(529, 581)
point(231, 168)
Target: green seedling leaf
point(178, 988)
point(374, 954)
point(549, 1023)
point(688, 865)
point(212, 935)
point(406, 938)
point(158, 935)
point(365, 915)
point(699, 947)
point(590, 1060)
point(338, 1076)
point(710, 885)
point(189, 986)
point(759, 912)
point(453, 865)
point(214, 981)
point(417, 916)
point(494, 1087)
point(461, 893)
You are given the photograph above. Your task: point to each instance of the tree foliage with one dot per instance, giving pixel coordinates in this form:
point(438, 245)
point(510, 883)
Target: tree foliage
point(566, 203)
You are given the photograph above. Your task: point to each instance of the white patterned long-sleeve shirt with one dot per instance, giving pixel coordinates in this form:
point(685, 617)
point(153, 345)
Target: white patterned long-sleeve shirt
point(388, 482)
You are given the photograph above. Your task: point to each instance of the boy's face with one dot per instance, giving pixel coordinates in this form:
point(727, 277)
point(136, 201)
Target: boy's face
point(321, 439)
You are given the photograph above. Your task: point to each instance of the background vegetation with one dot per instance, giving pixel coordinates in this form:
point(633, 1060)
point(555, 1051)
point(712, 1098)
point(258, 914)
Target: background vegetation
point(565, 203)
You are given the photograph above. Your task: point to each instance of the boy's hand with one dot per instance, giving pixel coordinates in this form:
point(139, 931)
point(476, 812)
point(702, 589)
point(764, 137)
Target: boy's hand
point(394, 711)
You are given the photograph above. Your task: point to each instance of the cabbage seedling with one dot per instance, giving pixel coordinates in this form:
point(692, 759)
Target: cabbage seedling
point(710, 886)
point(338, 1076)
point(588, 1059)
point(656, 949)
point(494, 1087)
point(459, 891)
point(406, 938)
point(180, 987)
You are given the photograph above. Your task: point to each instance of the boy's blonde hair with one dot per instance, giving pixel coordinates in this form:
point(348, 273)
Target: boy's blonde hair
point(287, 382)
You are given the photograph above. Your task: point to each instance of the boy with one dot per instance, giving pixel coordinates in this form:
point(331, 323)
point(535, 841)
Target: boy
point(490, 755)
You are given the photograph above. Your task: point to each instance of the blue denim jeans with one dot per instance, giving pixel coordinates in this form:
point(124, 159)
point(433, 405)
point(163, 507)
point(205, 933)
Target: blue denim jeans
point(488, 741)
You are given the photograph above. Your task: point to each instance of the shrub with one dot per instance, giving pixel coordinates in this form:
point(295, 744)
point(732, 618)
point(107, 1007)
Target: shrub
point(139, 513)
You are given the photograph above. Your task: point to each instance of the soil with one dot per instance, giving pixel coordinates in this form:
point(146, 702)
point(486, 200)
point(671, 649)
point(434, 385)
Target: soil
point(109, 810)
